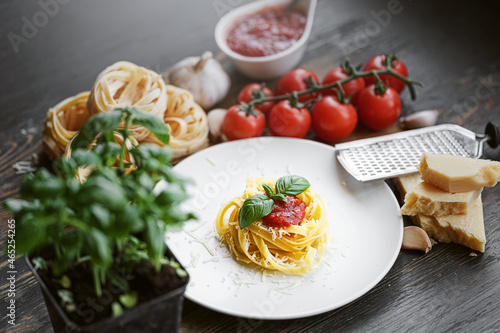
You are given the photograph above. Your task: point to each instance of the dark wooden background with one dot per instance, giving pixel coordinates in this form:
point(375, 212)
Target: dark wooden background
point(451, 46)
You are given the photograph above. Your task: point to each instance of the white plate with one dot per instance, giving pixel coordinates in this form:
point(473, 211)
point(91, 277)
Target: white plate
point(366, 231)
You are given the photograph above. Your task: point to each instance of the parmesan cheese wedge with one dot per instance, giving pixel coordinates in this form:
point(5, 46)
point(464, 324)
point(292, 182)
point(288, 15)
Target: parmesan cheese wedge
point(457, 173)
point(427, 199)
point(465, 229)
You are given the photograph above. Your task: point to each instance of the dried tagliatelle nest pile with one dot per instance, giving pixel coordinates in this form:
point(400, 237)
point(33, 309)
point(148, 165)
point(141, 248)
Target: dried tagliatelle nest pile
point(126, 84)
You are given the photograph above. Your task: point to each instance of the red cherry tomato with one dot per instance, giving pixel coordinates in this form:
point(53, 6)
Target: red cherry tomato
point(247, 94)
point(238, 125)
point(378, 111)
point(351, 88)
point(287, 120)
point(332, 120)
point(378, 62)
point(295, 81)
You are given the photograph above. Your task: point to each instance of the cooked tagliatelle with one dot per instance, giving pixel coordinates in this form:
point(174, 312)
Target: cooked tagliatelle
point(186, 121)
point(293, 249)
point(63, 122)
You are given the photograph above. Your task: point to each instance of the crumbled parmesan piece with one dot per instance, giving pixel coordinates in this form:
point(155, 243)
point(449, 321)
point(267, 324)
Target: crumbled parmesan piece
point(214, 259)
point(204, 242)
point(194, 260)
point(211, 161)
point(23, 167)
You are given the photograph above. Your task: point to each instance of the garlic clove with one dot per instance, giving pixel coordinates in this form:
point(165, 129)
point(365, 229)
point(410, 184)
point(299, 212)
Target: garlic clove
point(215, 119)
point(203, 76)
point(415, 238)
point(419, 119)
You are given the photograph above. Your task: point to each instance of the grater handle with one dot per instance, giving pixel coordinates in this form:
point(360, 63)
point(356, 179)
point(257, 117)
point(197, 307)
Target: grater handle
point(493, 134)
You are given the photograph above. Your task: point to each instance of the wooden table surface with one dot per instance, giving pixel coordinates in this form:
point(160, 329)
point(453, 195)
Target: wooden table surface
point(451, 46)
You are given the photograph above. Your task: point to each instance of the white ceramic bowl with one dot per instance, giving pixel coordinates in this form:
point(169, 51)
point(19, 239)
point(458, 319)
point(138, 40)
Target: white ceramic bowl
point(266, 67)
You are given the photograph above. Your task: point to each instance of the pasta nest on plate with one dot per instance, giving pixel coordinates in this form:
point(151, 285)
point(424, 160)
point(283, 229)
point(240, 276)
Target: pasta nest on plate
point(295, 249)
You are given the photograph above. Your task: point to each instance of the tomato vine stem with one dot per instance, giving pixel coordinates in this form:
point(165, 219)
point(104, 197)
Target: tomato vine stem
point(355, 74)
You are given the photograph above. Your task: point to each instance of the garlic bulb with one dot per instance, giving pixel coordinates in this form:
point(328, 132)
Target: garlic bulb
point(203, 76)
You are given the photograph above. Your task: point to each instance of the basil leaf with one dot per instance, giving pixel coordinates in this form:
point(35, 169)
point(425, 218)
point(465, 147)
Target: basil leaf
point(118, 281)
point(42, 185)
point(106, 152)
point(66, 296)
point(85, 157)
point(15, 205)
point(253, 209)
point(280, 196)
point(116, 309)
point(155, 240)
point(269, 190)
point(101, 122)
point(292, 185)
point(101, 215)
point(129, 300)
point(98, 247)
point(153, 123)
point(39, 263)
point(99, 190)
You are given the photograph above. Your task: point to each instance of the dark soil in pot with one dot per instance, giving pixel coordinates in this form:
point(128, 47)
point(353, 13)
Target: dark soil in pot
point(88, 308)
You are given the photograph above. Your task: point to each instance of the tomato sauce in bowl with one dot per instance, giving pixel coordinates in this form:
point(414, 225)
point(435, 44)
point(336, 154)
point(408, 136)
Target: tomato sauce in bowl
point(266, 32)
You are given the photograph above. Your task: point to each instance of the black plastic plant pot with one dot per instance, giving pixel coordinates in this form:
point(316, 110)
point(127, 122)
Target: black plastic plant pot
point(162, 314)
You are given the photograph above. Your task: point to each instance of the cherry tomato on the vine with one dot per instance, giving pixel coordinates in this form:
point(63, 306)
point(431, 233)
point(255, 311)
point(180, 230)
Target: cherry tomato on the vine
point(378, 111)
point(295, 81)
point(379, 62)
point(287, 120)
point(351, 88)
point(332, 120)
point(238, 125)
point(247, 94)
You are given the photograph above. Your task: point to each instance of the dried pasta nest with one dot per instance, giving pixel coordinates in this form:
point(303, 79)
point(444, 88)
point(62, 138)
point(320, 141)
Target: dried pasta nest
point(63, 122)
point(186, 121)
point(126, 84)
point(84, 171)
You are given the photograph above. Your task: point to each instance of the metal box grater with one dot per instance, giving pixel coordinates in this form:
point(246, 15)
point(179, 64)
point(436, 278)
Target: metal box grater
point(399, 153)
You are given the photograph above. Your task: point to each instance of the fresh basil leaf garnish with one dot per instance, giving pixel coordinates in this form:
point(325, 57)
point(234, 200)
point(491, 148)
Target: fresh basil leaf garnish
point(280, 196)
point(291, 185)
point(253, 209)
point(269, 190)
point(261, 205)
